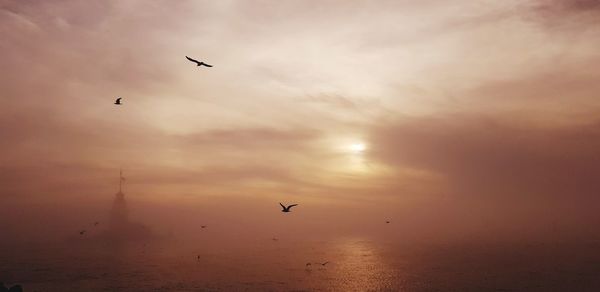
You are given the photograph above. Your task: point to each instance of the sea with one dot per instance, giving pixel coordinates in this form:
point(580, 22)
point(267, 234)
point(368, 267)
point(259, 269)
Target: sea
point(282, 264)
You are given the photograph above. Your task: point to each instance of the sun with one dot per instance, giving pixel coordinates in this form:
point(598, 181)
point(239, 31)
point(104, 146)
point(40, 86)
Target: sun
point(358, 147)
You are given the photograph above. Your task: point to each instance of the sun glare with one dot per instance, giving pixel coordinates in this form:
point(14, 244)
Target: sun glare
point(358, 147)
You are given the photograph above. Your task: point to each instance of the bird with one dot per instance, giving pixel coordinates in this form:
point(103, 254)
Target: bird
point(81, 232)
point(287, 209)
point(198, 63)
point(387, 221)
point(203, 226)
point(118, 101)
point(15, 288)
point(323, 264)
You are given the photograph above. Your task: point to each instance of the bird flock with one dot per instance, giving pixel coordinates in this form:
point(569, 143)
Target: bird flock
point(285, 209)
point(83, 231)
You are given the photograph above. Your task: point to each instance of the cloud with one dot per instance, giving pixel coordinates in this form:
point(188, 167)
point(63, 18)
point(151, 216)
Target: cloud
point(494, 157)
point(243, 120)
point(18, 21)
point(342, 102)
point(254, 138)
point(575, 16)
point(568, 6)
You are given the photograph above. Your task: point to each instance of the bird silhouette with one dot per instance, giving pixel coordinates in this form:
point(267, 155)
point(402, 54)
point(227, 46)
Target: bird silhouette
point(287, 209)
point(118, 101)
point(15, 288)
point(198, 63)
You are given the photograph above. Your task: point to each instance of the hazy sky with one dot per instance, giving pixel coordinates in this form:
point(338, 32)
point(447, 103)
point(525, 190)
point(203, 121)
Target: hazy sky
point(486, 103)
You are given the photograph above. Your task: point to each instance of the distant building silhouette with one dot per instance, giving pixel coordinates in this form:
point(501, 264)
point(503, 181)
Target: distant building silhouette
point(119, 214)
point(120, 227)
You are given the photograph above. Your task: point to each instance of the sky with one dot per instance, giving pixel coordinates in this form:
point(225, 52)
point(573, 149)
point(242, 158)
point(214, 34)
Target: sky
point(432, 113)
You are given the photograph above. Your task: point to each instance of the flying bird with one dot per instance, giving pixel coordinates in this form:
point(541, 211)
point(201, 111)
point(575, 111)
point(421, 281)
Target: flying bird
point(118, 101)
point(15, 288)
point(287, 209)
point(323, 264)
point(198, 63)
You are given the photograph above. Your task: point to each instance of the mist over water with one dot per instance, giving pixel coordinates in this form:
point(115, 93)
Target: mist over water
point(248, 244)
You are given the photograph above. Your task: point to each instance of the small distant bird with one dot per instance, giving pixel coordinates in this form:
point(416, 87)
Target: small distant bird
point(387, 221)
point(15, 288)
point(96, 223)
point(81, 232)
point(323, 264)
point(198, 63)
point(118, 101)
point(287, 209)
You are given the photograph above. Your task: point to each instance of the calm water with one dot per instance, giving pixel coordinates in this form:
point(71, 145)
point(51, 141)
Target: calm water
point(355, 265)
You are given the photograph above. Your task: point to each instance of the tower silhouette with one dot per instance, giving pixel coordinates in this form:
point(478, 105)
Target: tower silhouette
point(119, 214)
point(120, 226)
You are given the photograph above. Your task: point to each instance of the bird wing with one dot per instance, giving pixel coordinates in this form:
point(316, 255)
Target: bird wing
point(324, 263)
point(195, 61)
point(292, 205)
point(282, 206)
point(205, 64)
point(119, 99)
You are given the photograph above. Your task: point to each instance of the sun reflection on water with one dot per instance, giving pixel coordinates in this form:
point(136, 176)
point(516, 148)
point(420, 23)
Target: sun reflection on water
point(359, 267)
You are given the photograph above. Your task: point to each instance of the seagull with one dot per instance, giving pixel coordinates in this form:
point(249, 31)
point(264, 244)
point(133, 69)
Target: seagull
point(81, 232)
point(118, 101)
point(287, 209)
point(15, 288)
point(198, 63)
